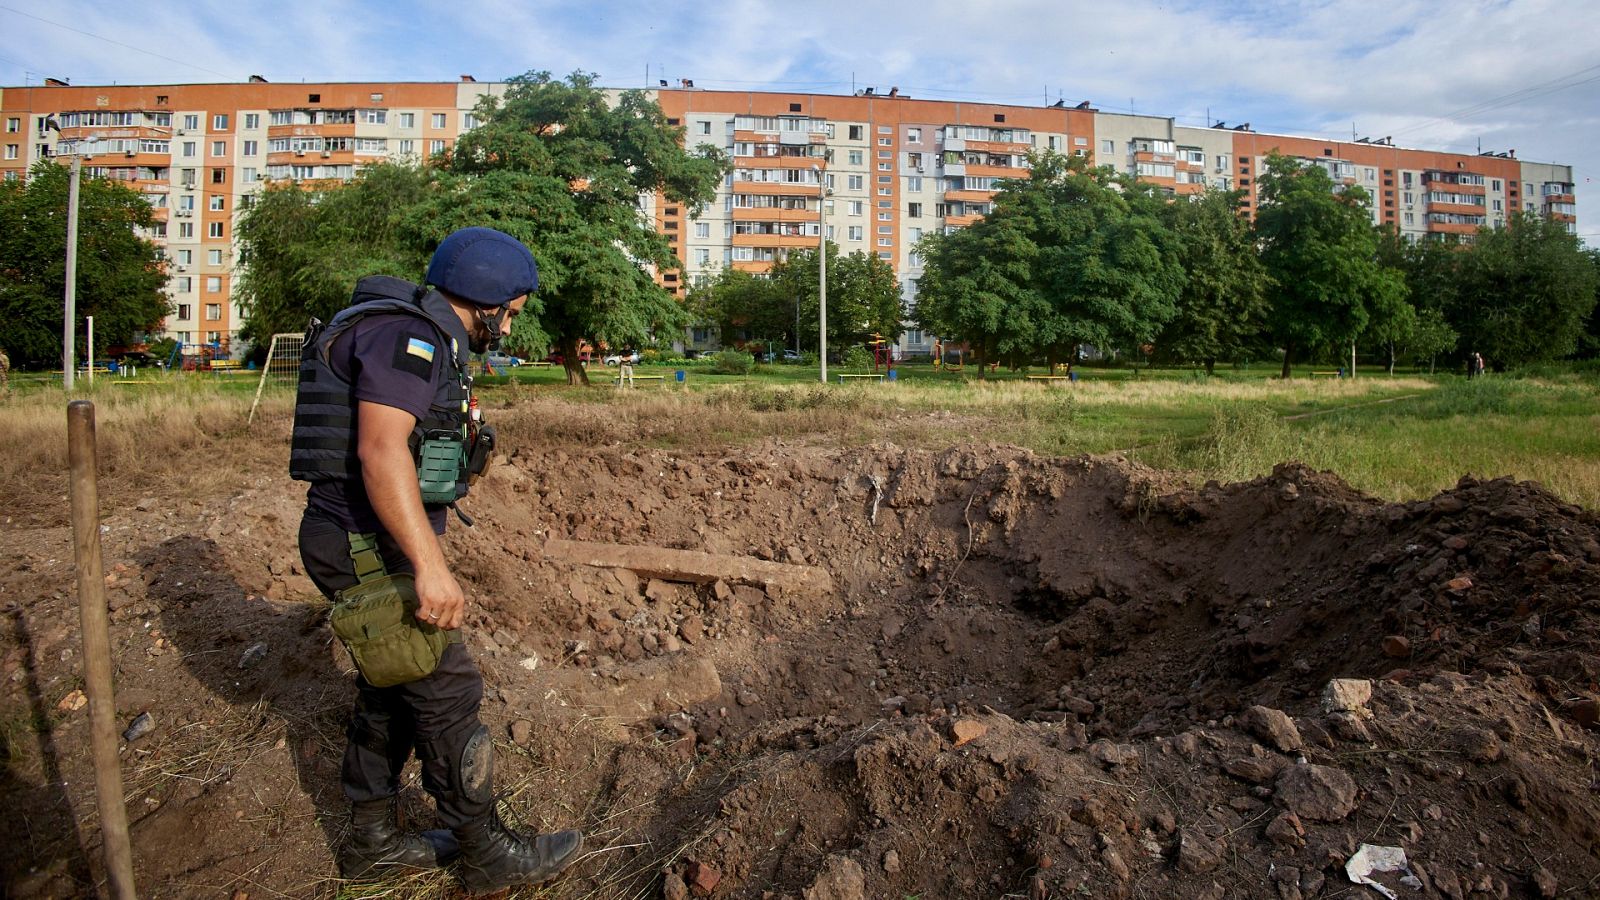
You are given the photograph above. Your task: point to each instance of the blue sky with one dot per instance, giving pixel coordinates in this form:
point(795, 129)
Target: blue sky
point(1500, 74)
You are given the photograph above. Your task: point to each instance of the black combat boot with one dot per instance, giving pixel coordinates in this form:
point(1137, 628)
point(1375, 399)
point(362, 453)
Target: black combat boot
point(377, 847)
point(494, 857)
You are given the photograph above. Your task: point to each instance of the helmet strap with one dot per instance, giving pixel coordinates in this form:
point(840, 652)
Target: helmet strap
point(493, 321)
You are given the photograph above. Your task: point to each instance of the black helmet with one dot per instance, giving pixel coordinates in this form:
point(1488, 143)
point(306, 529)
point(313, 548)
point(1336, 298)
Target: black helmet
point(484, 267)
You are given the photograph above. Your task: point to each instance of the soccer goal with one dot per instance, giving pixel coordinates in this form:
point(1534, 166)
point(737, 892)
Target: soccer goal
point(281, 369)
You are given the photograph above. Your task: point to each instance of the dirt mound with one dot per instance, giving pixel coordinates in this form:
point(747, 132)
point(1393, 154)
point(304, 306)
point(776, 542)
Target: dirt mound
point(1034, 678)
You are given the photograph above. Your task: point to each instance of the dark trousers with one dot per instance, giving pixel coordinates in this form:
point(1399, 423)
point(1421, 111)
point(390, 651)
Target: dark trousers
point(433, 716)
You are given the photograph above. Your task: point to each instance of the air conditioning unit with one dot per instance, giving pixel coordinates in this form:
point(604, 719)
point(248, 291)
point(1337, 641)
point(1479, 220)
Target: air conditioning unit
point(299, 153)
point(183, 268)
point(131, 154)
point(327, 154)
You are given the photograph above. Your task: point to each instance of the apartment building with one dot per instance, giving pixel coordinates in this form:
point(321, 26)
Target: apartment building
point(872, 172)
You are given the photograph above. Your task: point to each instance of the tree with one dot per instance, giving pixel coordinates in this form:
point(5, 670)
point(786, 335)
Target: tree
point(1223, 306)
point(120, 274)
point(863, 296)
point(1320, 249)
point(1070, 255)
point(743, 306)
point(559, 167)
point(303, 250)
point(1524, 291)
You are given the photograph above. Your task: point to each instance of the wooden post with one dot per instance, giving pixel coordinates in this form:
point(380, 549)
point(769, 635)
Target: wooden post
point(97, 649)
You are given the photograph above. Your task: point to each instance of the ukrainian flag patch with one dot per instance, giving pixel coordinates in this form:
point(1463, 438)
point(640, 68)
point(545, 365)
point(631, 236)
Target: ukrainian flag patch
point(418, 347)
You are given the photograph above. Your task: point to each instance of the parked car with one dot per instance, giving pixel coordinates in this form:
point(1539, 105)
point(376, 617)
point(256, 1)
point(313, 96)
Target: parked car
point(499, 360)
point(791, 356)
point(631, 357)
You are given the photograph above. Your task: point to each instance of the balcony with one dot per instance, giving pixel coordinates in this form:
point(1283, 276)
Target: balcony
point(773, 214)
point(969, 196)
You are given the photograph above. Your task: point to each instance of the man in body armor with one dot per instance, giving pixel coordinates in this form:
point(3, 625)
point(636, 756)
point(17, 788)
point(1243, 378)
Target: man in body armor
point(384, 434)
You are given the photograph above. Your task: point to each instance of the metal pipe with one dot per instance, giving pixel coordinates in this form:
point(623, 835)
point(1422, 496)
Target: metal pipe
point(97, 649)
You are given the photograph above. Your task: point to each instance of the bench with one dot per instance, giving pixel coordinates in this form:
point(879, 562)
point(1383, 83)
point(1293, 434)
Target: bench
point(538, 364)
point(1328, 374)
point(631, 378)
point(842, 378)
point(1072, 377)
point(227, 365)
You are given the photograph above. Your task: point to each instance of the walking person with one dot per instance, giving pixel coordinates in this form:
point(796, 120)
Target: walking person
point(388, 435)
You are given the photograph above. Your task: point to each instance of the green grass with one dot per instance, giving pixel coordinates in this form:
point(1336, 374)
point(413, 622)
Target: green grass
point(1398, 438)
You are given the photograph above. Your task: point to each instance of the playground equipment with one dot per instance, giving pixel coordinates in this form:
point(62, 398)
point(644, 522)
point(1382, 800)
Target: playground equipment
point(882, 352)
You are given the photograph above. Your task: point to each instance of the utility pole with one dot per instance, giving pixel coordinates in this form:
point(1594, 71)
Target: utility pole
point(69, 327)
point(822, 270)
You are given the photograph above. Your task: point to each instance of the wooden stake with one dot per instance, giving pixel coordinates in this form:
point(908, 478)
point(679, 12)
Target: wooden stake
point(97, 649)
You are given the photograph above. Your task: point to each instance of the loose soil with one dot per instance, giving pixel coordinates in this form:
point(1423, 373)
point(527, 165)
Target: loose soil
point(1034, 678)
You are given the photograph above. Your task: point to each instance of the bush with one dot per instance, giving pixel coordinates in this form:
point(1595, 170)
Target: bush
point(857, 358)
point(651, 356)
point(808, 358)
point(733, 362)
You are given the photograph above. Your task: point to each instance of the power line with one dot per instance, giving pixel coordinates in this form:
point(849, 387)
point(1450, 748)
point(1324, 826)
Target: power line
point(118, 43)
point(1527, 93)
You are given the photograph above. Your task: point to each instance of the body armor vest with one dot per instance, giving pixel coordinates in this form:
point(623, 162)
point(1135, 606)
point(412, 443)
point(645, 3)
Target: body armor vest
point(323, 447)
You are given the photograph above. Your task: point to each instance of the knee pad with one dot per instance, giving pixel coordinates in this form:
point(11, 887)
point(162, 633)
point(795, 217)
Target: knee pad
point(475, 771)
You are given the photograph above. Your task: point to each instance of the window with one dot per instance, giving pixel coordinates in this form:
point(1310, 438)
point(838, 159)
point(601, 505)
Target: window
point(855, 208)
point(408, 120)
point(914, 210)
point(252, 120)
point(885, 242)
point(854, 233)
point(702, 229)
point(1054, 143)
point(468, 122)
point(886, 179)
point(914, 183)
point(12, 150)
point(913, 135)
point(213, 312)
point(702, 256)
point(1108, 146)
point(185, 310)
point(217, 201)
point(186, 201)
point(375, 116)
point(435, 146)
point(705, 127)
point(885, 142)
point(213, 284)
point(438, 120)
point(188, 148)
point(219, 148)
point(1080, 142)
point(1408, 198)
point(251, 176)
point(191, 121)
point(186, 230)
point(13, 125)
point(885, 192)
point(855, 132)
point(886, 229)
point(884, 167)
point(251, 148)
point(219, 122)
point(854, 183)
point(407, 146)
point(1495, 185)
point(215, 230)
point(855, 157)
point(885, 216)
point(219, 176)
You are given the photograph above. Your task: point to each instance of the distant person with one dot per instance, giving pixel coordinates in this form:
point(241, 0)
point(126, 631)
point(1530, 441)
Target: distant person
point(1477, 362)
point(385, 432)
point(5, 373)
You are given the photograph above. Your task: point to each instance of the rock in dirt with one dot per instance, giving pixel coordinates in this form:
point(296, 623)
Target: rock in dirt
point(1198, 853)
point(673, 888)
point(73, 701)
point(1545, 881)
point(141, 725)
point(521, 732)
point(253, 654)
point(965, 731)
point(1347, 695)
point(1286, 830)
point(703, 878)
point(1111, 755)
point(1318, 793)
point(841, 879)
point(1274, 727)
point(1254, 770)
point(891, 862)
point(1396, 646)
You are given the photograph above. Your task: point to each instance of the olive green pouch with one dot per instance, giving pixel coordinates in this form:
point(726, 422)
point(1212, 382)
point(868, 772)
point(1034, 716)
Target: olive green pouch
point(439, 466)
point(377, 622)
